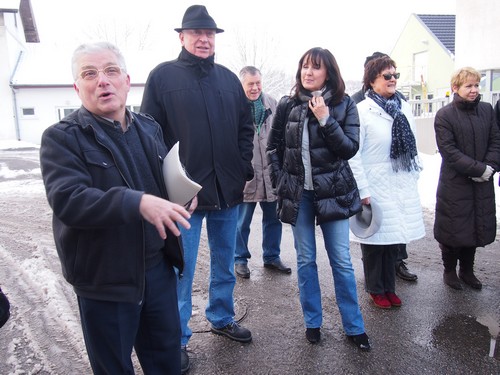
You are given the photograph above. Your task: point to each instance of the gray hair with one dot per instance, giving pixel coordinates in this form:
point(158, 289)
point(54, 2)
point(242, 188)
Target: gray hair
point(87, 48)
point(252, 70)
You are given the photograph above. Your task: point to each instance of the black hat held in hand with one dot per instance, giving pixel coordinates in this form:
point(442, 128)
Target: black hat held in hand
point(197, 17)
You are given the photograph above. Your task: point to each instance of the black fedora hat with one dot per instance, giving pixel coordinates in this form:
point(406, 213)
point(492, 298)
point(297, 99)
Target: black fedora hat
point(197, 17)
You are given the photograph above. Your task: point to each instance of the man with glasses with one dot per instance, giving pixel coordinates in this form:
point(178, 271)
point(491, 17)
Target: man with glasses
point(115, 232)
point(202, 105)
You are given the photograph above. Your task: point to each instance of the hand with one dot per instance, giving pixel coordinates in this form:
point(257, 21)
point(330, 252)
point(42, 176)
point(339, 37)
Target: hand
point(162, 213)
point(319, 108)
point(365, 201)
point(192, 204)
point(487, 173)
point(477, 179)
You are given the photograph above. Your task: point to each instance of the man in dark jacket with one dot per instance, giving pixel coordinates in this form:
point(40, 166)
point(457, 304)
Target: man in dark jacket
point(115, 233)
point(202, 105)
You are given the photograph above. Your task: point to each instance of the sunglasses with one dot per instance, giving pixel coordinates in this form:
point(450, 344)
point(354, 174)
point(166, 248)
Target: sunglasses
point(388, 76)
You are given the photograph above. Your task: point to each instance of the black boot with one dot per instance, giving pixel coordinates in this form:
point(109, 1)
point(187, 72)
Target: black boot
point(450, 258)
point(466, 271)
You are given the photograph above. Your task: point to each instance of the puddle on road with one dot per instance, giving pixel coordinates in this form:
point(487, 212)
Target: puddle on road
point(458, 333)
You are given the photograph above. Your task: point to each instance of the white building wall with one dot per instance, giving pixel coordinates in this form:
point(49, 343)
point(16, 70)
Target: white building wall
point(46, 103)
point(477, 34)
point(10, 47)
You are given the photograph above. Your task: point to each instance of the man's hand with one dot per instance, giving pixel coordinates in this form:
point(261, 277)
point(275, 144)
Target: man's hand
point(192, 204)
point(162, 213)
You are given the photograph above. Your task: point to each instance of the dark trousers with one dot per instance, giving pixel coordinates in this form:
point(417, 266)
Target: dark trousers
point(112, 329)
point(402, 253)
point(378, 267)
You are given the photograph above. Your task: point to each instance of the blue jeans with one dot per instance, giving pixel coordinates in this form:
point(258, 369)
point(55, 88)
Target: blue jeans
point(221, 232)
point(336, 237)
point(271, 232)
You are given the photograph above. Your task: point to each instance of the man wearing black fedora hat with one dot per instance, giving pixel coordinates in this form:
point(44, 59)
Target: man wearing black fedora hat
point(202, 105)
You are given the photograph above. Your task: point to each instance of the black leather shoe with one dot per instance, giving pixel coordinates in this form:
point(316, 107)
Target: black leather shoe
point(184, 360)
point(313, 335)
point(278, 266)
point(361, 341)
point(234, 332)
point(403, 273)
point(242, 270)
point(4, 308)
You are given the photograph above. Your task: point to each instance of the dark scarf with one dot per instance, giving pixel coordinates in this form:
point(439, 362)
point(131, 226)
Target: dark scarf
point(258, 113)
point(305, 95)
point(403, 145)
point(464, 104)
point(202, 66)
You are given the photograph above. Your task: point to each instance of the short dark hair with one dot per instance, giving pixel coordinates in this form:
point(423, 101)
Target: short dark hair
point(321, 56)
point(374, 68)
point(374, 55)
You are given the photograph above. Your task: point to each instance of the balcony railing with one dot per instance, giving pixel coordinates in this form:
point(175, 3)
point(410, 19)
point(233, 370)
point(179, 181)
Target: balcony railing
point(427, 107)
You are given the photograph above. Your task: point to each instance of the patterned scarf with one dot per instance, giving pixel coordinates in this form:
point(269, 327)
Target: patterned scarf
point(258, 113)
point(403, 145)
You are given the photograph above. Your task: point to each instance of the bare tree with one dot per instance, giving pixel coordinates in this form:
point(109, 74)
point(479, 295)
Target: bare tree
point(123, 35)
point(259, 50)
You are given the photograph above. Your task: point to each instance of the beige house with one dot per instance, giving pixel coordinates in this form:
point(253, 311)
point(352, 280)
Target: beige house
point(424, 54)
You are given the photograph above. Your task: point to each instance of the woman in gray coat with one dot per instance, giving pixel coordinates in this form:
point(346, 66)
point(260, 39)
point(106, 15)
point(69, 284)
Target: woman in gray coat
point(469, 142)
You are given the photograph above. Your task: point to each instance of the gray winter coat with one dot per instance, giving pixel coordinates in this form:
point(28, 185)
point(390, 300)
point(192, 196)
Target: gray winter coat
point(260, 189)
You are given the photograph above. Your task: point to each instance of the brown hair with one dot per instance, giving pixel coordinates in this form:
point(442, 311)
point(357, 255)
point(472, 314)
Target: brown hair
point(320, 56)
point(374, 67)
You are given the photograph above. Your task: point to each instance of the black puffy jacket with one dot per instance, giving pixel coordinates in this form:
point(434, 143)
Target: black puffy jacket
point(336, 192)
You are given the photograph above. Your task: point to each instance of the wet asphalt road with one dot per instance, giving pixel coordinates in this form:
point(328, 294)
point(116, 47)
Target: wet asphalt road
point(436, 331)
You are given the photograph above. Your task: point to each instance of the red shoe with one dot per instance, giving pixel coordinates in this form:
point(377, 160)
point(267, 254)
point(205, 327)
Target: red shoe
point(393, 299)
point(380, 300)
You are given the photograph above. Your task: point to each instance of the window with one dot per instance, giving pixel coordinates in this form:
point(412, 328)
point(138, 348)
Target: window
point(28, 112)
point(420, 62)
point(135, 108)
point(63, 112)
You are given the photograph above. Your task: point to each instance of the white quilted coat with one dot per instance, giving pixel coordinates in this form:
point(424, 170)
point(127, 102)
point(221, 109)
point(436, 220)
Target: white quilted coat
point(395, 192)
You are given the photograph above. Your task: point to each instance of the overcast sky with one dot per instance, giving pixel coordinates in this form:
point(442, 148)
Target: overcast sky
point(350, 29)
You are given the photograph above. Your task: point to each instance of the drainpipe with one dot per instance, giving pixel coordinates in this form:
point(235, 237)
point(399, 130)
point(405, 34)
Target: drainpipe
point(14, 98)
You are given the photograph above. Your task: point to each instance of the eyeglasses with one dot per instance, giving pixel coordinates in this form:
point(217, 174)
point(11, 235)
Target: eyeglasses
point(111, 71)
point(388, 76)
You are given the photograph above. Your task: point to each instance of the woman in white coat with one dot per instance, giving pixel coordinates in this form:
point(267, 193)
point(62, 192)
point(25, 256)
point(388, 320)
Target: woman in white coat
point(386, 169)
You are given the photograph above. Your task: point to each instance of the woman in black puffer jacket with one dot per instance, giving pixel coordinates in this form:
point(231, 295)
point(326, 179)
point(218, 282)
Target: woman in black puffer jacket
point(314, 133)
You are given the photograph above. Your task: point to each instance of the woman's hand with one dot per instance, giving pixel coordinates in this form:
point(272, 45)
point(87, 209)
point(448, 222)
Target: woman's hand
point(365, 201)
point(319, 108)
